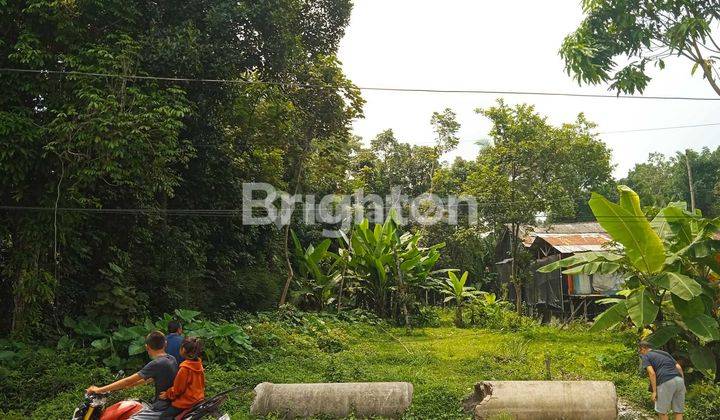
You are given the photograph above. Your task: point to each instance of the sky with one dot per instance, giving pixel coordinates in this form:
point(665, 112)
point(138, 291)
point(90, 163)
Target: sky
point(504, 45)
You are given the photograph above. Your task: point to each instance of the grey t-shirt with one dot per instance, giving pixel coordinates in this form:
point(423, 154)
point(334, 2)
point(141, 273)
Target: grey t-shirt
point(162, 370)
point(662, 363)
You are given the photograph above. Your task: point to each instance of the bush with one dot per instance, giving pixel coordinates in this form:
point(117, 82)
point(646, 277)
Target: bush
point(124, 348)
point(489, 312)
point(703, 401)
point(426, 316)
point(620, 361)
point(30, 374)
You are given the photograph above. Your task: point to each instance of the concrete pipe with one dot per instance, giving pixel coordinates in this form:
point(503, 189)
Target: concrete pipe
point(544, 400)
point(364, 399)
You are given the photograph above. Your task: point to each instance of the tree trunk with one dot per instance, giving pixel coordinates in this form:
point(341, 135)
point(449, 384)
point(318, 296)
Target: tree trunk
point(18, 307)
point(459, 316)
point(402, 292)
point(340, 292)
point(288, 267)
point(690, 180)
point(288, 264)
point(513, 267)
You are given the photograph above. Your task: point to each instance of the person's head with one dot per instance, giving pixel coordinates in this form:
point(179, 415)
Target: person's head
point(155, 343)
point(174, 327)
point(644, 347)
point(191, 348)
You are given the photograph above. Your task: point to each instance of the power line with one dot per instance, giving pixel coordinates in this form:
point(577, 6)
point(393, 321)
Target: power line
point(365, 88)
point(239, 211)
point(660, 128)
point(433, 142)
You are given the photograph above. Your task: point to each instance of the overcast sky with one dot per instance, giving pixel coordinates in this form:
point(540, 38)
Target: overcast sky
point(508, 45)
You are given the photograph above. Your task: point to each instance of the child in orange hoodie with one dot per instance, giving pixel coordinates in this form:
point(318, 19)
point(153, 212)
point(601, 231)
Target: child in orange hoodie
point(189, 386)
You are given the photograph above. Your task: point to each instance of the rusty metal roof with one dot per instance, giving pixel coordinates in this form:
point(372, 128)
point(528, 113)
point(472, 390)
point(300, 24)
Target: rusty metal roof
point(569, 243)
point(528, 233)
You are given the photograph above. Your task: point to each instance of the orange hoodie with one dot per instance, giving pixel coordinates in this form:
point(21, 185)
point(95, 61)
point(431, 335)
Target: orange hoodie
point(189, 386)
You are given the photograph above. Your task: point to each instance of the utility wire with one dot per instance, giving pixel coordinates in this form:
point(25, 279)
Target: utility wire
point(635, 130)
point(433, 142)
point(366, 88)
point(237, 212)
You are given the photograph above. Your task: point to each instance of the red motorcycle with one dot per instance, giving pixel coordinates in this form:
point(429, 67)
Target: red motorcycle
point(93, 408)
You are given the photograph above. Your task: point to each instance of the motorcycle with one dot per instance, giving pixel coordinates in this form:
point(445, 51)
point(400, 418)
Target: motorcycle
point(93, 408)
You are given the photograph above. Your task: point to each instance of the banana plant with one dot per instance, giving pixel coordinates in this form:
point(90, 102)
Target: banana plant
point(384, 262)
point(670, 266)
point(317, 272)
point(456, 290)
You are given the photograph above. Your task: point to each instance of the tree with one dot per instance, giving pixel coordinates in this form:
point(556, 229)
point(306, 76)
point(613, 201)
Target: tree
point(662, 180)
point(533, 168)
point(445, 126)
point(646, 31)
point(387, 263)
point(144, 159)
point(670, 266)
point(653, 181)
point(390, 163)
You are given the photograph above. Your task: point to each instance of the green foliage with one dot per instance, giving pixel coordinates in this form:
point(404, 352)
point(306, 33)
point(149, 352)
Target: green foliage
point(670, 274)
point(382, 260)
point(426, 316)
point(704, 400)
point(626, 224)
point(663, 180)
point(456, 290)
point(490, 312)
point(317, 276)
point(124, 347)
point(648, 32)
point(533, 167)
point(143, 159)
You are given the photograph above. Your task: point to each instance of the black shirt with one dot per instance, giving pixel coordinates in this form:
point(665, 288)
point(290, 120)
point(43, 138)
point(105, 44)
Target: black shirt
point(162, 371)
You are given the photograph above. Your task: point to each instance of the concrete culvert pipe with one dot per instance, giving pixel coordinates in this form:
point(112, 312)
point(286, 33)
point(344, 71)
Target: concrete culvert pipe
point(364, 399)
point(544, 400)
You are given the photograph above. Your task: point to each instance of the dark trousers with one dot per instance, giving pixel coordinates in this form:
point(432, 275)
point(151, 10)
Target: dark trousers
point(171, 412)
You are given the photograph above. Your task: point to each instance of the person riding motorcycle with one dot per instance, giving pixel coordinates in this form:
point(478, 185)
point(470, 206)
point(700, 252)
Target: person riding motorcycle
point(161, 371)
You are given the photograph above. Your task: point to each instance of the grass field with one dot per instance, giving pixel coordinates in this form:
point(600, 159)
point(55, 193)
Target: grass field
point(441, 362)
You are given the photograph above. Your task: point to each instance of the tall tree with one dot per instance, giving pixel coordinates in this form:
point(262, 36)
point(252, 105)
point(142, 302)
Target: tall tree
point(445, 126)
point(533, 168)
point(646, 31)
point(143, 159)
point(661, 180)
point(653, 181)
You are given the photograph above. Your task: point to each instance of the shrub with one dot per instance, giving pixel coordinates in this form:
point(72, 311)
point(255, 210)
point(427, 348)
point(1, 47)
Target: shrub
point(703, 401)
point(489, 312)
point(124, 347)
point(426, 316)
point(625, 360)
point(333, 342)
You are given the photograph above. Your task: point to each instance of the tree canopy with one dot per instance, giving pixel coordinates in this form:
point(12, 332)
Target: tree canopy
point(619, 40)
point(141, 158)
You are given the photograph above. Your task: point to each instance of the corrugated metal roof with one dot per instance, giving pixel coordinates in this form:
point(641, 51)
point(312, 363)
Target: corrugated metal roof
point(571, 243)
point(580, 227)
point(528, 233)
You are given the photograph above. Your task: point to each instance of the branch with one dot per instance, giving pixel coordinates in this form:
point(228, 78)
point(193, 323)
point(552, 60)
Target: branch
point(706, 69)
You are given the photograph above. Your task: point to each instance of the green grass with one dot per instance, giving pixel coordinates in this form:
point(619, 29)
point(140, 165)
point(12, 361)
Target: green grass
point(442, 363)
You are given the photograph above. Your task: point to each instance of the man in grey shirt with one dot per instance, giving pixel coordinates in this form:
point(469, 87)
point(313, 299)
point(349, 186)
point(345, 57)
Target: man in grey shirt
point(666, 379)
point(160, 371)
